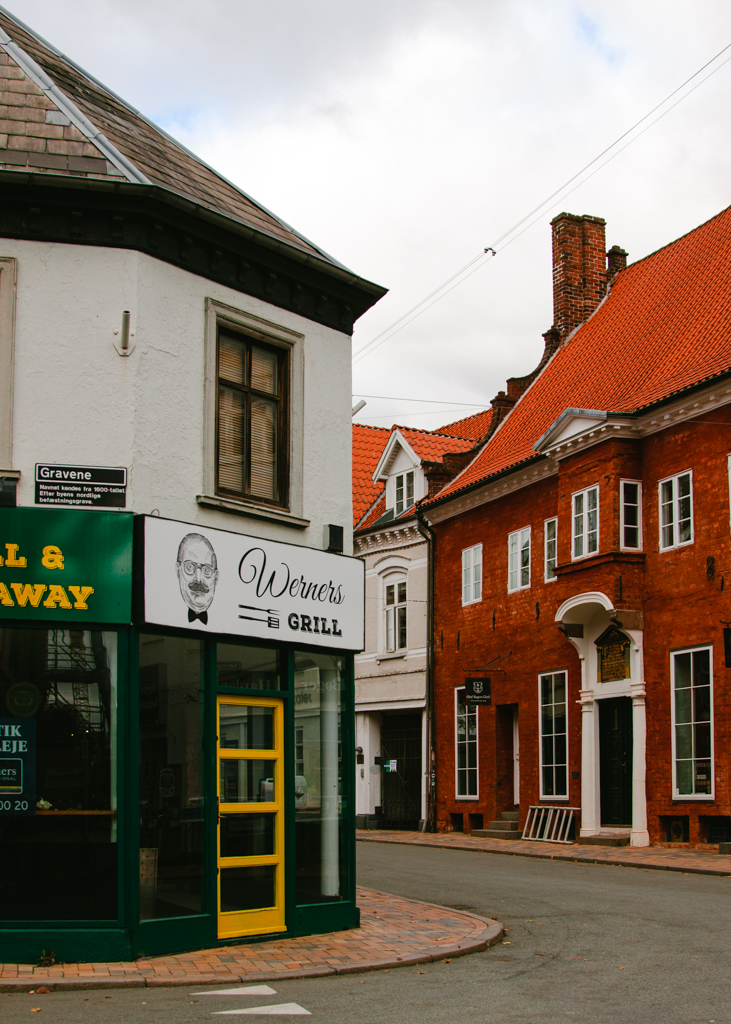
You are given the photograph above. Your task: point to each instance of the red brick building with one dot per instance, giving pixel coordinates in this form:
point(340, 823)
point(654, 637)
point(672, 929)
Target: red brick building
point(582, 560)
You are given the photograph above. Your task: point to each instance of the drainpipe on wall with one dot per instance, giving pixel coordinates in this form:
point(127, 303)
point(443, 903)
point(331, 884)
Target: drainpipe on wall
point(431, 784)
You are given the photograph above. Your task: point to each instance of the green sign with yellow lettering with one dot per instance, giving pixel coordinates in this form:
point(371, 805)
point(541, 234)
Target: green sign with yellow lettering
point(65, 565)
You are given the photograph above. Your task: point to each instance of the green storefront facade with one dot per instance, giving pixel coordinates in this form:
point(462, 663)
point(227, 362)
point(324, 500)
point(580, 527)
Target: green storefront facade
point(176, 736)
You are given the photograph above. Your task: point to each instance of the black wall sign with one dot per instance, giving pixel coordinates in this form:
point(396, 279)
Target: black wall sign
point(477, 690)
point(17, 767)
point(89, 486)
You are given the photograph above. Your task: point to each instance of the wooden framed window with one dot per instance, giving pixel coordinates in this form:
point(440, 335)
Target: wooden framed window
point(396, 616)
point(585, 533)
point(519, 559)
point(676, 511)
point(404, 491)
point(550, 549)
point(691, 674)
point(251, 419)
point(472, 574)
point(630, 515)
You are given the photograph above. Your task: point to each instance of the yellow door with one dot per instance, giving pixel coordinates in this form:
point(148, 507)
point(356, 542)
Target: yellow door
point(250, 816)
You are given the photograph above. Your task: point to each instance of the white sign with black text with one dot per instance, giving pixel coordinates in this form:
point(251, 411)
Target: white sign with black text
point(221, 582)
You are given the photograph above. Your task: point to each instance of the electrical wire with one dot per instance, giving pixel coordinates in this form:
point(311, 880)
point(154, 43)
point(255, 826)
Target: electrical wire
point(430, 401)
point(491, 251)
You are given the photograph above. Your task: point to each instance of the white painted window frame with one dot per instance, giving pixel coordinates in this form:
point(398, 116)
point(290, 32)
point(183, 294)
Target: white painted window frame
point(552, 796)
point(394, 581)
point(518, 536)
point(468, 711)
point(585, 513)
point(693, 797)
point(405, 504)
point(546, 542)
point(674, 479)
point(471, 584)
point(622, 524)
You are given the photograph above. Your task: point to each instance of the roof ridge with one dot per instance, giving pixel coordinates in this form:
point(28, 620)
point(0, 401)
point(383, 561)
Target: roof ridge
point(61, 101)
point(686, 234)
point(434, 433)
point(471, 415)
point(107, 148)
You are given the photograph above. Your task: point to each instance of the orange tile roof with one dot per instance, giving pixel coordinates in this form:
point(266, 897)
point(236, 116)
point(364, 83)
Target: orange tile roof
point(375, 512)
point(368, 445)
point(473, 427)
point(432, 445)
point(665, 326)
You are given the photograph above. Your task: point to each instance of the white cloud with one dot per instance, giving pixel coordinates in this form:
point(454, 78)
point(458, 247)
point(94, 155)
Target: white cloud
point(404, 137)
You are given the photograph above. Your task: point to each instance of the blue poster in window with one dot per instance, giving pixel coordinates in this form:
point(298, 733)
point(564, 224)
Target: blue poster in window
point(17, 767)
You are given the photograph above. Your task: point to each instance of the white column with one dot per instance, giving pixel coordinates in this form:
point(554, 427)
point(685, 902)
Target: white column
point(639, 835)
point(589, 787)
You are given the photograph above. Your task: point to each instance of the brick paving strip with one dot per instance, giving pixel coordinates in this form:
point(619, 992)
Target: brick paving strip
point(394, 932)
point(698, 862)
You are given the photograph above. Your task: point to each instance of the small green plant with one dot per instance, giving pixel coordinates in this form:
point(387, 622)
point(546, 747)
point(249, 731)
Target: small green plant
point(47, 959)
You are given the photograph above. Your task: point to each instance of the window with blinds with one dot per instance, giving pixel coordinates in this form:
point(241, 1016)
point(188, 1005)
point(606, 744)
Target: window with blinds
point(251, 419)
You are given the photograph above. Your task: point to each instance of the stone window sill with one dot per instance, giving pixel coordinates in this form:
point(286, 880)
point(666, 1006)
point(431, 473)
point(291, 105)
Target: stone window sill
point(243, 508)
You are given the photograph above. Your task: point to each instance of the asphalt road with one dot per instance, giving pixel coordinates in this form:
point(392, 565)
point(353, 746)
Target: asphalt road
point(587, 943)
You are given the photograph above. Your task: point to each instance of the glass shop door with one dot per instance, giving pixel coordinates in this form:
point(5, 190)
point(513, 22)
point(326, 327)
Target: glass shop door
point(250, 816)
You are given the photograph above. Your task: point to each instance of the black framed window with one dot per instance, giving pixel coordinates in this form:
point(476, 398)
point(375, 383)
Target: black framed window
point(251, 419)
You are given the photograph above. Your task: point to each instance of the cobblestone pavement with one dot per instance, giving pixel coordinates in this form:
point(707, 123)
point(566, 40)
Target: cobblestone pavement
point(701, 862)
point(394, 932)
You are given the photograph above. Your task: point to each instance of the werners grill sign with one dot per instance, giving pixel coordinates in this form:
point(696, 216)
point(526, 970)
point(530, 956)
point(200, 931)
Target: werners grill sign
point(68, 566)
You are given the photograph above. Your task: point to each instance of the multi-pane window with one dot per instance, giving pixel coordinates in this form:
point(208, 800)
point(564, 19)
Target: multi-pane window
point(676, 511)
point(466, 743)
point(554, 746)
point(550, 548)
point(396, 616)
point(404, 491)
point(519, 559)
point(630, 514)
point(585, 528)
point(251, 419)
point(472, 574)
point(692, 723)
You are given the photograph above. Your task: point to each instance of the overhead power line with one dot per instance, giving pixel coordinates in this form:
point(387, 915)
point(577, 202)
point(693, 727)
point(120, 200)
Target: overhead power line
point(509, 236)
point(428, 401)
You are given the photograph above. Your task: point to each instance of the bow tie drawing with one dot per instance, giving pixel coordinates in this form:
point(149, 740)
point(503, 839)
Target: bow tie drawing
point(203, 616)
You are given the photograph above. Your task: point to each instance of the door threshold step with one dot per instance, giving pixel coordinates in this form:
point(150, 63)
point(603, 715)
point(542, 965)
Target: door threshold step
point(497, 833)
point(611, 839)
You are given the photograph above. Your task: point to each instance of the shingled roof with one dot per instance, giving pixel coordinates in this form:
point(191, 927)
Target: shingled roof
point(472, 427)
point(368, 445)
point(664, 328)
point(57, 119)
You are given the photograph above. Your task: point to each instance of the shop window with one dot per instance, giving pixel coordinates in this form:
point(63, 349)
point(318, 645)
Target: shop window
point(472, 574)
point(692, 676)
point(550, 548)
point(676, 511)
point(519, 559)
point(171, 778)
point(319, 799)
point(254, 668)
point(585, 530)
point(396, 616)
point(59, 850)
point(630, 515)
point(251, 423)
point(466, 744)
point(554, 737)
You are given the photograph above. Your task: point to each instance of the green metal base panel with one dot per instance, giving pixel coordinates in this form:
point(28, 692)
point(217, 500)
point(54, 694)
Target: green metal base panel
point(69, 945)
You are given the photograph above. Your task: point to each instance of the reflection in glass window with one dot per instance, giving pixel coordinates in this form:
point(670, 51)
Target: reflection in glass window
point(171, 777)
point(245, 727)
point(318, 686)
point(253, 667)
point(466, 742)
point(60, 862)
point(693, 720)
point(246, 781)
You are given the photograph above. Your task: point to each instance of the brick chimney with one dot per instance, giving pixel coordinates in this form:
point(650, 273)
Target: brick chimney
point(616, 261)
point(579, 269)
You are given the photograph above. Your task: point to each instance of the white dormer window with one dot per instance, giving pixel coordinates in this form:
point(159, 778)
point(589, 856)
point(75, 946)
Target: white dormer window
point(404, 491)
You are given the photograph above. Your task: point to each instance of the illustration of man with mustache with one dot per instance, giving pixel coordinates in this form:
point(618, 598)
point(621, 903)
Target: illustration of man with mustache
point(197, 575)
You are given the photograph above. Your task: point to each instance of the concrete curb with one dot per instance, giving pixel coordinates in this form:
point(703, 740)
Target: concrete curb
point(488, 935)
point(685, 869)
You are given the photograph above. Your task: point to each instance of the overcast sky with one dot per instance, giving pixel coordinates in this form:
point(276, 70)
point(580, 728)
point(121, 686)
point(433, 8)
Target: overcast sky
point(405, 136)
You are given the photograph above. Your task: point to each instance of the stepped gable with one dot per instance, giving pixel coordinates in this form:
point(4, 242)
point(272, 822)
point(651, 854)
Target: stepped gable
point(368, 445)
point(664, 327)
point(473, 428)
point(57, 119)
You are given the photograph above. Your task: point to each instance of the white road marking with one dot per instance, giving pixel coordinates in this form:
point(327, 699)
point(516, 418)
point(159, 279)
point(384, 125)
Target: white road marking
point(241, 990)
point(283, 1010)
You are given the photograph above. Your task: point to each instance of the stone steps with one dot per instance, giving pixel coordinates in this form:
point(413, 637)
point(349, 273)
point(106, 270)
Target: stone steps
point(506, 828)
